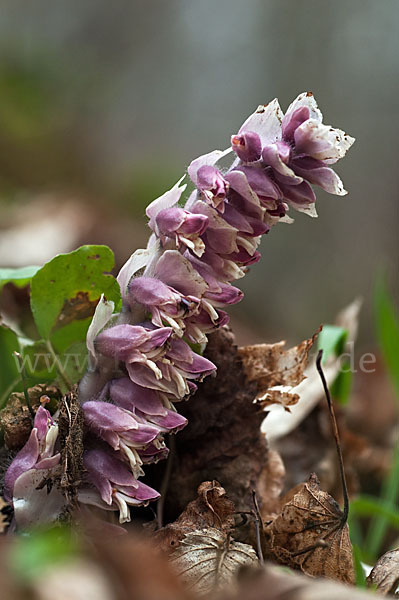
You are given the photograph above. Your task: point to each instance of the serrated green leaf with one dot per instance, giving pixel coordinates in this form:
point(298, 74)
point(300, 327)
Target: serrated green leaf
point(19, 277)
point(9, 369)
point(69, 282)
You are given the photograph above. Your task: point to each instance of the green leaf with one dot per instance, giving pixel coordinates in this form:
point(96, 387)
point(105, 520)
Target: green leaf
point(379, 524)
point(10, 375)
point(331, 340)
point(359, 571)
point(74, 363)
point(368, 506)
point(72, 333)
point(39, 365)
point(387, 322)
point(19, 277)
point(341, 387)
point(69, 286)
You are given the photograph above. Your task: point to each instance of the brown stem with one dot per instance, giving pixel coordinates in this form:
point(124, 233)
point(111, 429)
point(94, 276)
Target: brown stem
point(336, 437)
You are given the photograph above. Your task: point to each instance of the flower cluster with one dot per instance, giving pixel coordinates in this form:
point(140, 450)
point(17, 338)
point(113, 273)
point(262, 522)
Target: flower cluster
point(142, 360)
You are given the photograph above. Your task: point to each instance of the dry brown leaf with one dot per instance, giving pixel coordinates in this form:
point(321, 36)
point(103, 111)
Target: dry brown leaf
point(284, 398)
point(385, 574)
point(270, 366)
point(275, 583)
point(278, 423)
point(310, 534)
point(210, 509)
point(207, 560)
point(270, 485)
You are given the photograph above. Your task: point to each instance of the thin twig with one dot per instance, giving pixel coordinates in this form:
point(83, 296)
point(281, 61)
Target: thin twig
point(165, 481)
point(258, 525)
point(336, 437)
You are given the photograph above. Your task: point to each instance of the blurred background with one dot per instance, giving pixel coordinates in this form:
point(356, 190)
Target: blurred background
point(104, 104)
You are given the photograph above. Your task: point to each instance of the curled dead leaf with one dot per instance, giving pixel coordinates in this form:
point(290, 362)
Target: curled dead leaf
point(311, 534)
point(208, 560)
point(211, 508)
point(385, 574)
point(276, 396)
point(273, 368)
point(280, 423)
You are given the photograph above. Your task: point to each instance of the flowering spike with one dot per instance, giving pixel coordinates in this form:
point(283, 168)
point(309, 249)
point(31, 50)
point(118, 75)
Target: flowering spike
point(173, 294)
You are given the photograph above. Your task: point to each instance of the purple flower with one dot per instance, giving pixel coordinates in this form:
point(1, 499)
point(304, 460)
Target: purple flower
point(200, 325)
point(213, 185)
point(147, 405)
point(177, 271)
point(152, 454)
point(182, 226)
point(297, 149)
point(120, 429)
point(247, 146)
point(208, 179)
point(163, 302)
point(173, 370)
point(133, 343)
point(116, 485)
point(38, 452)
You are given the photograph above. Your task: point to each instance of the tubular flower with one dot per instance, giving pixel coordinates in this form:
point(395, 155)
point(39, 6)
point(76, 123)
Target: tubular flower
point(120, 429)
point(182, 226)
point(147, 405)
point(114, 483)
point(163, 302)
point(174, 292)
point(38, 452)
point(297, 149)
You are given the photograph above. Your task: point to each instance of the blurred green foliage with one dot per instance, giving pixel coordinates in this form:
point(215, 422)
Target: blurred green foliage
point(331, 340)
point(32, 555)
point(19, 277)
point(382, 512)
